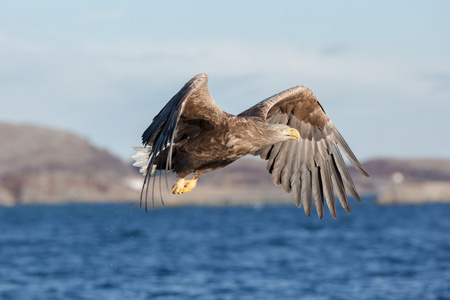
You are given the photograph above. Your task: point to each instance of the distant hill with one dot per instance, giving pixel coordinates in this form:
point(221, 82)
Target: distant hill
point(405, 180)
point(41, 165)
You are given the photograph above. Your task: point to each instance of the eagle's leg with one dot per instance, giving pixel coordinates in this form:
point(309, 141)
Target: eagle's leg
point(190, 184)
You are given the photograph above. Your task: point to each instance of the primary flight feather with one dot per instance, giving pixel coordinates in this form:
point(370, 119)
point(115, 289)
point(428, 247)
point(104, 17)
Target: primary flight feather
point(191, 134)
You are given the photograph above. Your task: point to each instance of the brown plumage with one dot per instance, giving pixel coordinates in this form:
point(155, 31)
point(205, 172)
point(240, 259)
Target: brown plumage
point(191, 134)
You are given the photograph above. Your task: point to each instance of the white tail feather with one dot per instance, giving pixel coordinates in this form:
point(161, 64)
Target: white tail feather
point(146, 148)
point(142, 159)
point(141, 163)
point(140, 156)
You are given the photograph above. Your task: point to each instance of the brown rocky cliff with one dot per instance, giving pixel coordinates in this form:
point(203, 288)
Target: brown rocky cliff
point(41, 165)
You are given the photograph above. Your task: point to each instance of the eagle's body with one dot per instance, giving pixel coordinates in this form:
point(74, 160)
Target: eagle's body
point(208, 148)
point(192, 134)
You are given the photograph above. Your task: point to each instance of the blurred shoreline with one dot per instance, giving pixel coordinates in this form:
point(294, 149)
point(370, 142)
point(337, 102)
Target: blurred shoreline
point(45, 166)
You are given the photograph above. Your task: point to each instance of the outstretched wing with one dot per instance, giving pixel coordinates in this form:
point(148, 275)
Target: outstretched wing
point(314, 165)
point(189, 110)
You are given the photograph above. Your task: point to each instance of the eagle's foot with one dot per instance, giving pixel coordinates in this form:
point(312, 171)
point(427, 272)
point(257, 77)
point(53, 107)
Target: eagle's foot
point(184, 186)
point(178, 187)
point(189, 185)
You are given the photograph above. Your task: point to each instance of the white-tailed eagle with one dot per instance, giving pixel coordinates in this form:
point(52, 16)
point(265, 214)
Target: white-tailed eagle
point(191, 134)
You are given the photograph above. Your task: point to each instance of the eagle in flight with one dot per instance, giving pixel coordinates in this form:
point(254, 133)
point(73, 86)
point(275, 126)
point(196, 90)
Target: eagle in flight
point(290, 130)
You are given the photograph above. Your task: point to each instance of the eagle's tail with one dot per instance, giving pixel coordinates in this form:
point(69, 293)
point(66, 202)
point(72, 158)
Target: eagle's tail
point(142, 157)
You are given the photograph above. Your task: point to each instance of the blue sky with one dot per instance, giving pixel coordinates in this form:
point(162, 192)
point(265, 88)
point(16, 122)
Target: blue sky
point(103, 69)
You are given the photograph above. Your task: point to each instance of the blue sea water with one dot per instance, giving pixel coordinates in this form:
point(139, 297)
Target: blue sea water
point(253, 252)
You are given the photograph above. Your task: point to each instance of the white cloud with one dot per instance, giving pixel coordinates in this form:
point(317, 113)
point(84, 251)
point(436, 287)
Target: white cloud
point(278, 63)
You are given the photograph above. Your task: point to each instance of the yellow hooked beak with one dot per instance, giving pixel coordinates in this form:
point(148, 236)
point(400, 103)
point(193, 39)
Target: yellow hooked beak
point(293, 134)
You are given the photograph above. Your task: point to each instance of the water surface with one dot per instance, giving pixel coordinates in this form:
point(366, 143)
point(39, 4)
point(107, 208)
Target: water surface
point(261, 252)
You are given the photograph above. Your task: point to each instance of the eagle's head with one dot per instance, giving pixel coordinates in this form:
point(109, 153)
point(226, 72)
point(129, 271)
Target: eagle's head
point(284, 132)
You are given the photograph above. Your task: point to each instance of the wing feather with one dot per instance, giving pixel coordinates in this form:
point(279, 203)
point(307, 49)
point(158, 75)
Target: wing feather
point(288, 169)
point(345, 174)
point(317, 191)
point(339, 185)
point(272, 156)
point(328, 186)
point(296, 186)
point(306, 190)
point(313, 167)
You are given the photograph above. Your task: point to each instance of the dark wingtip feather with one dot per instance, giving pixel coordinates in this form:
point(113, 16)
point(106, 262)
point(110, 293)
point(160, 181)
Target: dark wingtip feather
point(317, 191)
point(307, 211)
point(320, 215)
point(348, 152)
